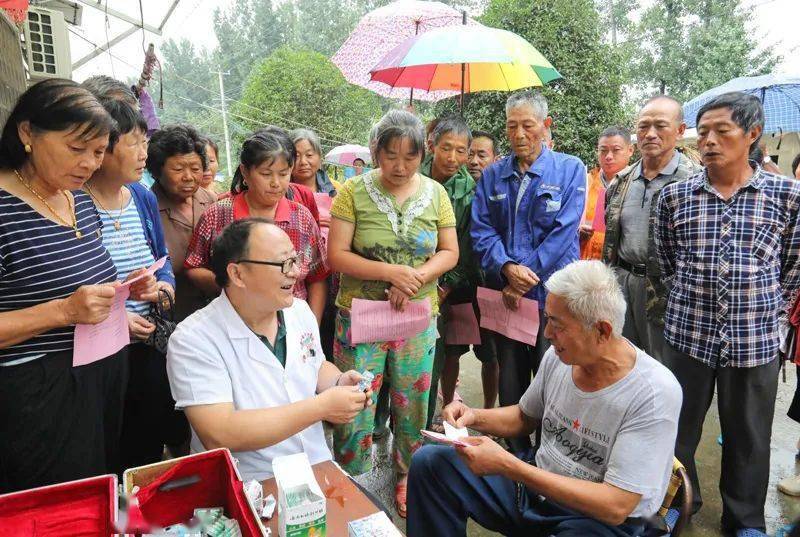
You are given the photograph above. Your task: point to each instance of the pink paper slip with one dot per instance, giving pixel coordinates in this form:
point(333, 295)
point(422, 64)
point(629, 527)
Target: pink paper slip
point(94, 342)
point(521, 325)
point(599, 222)
point(377, 320)
point(324, 203)
point(150, 271)
point(462, 326)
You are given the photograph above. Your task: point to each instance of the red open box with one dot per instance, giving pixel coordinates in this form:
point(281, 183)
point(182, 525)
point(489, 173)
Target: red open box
point(84, 507)
point(88, 507)
point(219, 485)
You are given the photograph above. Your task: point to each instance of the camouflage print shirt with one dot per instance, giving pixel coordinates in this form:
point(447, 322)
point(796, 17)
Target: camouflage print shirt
point(615, 196)
point(464, 278)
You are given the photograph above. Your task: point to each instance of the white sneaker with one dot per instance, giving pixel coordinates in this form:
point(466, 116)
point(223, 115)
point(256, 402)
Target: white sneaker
point(790, 485)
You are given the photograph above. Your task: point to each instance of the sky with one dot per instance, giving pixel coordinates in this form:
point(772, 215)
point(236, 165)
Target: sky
point(778, 19)
point(193, 19)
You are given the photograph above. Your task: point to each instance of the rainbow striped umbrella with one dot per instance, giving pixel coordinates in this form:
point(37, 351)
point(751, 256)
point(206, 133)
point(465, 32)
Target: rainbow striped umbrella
point(382, 29)
point(466, 59)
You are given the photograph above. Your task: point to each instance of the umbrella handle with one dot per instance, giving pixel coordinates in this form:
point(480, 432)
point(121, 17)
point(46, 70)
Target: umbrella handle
point(411, 94)
point(463, 69)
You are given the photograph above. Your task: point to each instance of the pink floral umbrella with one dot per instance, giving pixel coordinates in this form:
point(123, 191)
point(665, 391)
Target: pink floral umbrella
point(381, 30)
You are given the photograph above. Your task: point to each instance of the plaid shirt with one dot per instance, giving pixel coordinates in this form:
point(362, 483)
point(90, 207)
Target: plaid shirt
point(291, 217)
point(731, 266)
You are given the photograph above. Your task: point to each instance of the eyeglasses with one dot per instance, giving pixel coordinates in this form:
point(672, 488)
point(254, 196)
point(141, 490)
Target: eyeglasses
point(286, 265)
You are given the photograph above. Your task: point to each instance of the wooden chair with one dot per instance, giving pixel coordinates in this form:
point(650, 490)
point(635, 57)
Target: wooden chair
point(679, 480)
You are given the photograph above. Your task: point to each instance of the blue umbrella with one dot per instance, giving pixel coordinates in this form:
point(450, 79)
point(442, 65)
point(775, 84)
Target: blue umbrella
point(780, 95)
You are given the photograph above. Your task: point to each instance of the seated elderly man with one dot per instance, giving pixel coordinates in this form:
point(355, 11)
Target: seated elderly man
point(248, 368)
point(608, 414)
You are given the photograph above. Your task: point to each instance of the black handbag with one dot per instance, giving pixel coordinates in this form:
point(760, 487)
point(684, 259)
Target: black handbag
point(164, 320)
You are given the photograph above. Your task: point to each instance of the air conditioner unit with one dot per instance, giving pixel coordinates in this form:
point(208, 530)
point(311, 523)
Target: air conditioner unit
point(46, 45)
point(73, 12)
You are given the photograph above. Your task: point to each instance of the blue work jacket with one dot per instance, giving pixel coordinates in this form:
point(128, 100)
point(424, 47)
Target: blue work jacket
point(540, 230)
point(147, 205)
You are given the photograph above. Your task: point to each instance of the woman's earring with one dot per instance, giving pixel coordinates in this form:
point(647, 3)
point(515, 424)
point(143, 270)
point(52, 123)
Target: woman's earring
point(28, 148)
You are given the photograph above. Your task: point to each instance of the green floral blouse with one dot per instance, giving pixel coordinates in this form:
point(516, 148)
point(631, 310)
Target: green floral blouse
point(406, 235)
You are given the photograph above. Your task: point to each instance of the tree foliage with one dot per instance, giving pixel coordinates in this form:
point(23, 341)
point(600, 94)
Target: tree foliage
point(681, 47)
point(191, 91)
point(301, 87)
point(250, 30)
point(614, 18)
point(247, 32)
point(568, 33)
point(689, 46)
point(186, 71)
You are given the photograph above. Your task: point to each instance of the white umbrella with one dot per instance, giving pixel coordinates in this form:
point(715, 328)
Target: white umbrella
point(346, 154)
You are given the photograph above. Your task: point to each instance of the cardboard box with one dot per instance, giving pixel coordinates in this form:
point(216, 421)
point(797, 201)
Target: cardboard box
point(171, 490)
point(301, 503)
point(83, 507)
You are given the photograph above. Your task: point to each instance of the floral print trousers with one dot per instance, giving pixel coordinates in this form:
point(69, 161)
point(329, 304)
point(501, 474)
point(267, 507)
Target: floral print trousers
point(408, 364)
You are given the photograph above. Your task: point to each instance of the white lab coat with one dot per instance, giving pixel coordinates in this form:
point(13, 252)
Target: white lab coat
point(214, 357)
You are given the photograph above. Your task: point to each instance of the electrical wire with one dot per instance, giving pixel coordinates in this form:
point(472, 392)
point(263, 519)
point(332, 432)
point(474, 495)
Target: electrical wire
point(108, 43)
point(210, 91)
point(141, 19)
point(760, 3)
point(245, 118)
point(194, 8)
point(281, 120)
point(259, 110)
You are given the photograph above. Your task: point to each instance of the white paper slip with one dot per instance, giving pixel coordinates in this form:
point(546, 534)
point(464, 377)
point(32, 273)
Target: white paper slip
point(454, 433)
point(374, 525)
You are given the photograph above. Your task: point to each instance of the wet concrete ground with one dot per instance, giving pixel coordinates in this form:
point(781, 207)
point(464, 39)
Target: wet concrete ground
point(779, 508)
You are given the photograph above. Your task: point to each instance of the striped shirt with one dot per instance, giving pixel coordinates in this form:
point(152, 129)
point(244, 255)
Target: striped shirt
point(732, 267)
point(41, 261)
point(128, 247)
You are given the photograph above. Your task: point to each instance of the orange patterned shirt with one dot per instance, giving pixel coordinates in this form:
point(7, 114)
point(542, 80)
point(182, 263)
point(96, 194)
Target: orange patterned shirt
point(593, 247)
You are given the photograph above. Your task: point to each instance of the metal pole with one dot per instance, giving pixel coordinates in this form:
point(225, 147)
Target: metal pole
point(225, 124)
point(463, 69)
point(411, 95)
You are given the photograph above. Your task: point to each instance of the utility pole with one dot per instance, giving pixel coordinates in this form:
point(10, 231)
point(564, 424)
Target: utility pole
point(225, 123)
point(612, 13)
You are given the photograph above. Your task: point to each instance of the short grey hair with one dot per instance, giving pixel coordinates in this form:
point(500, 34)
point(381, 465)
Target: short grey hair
point(399, 124)
point(535, 100)
point(592, 293)
point(310, 136)
point(106, 88)
point(451, 124)
point(663, 97)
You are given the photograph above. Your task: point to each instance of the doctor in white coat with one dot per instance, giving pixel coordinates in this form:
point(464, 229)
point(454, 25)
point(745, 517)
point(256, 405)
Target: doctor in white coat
point(248, 369)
